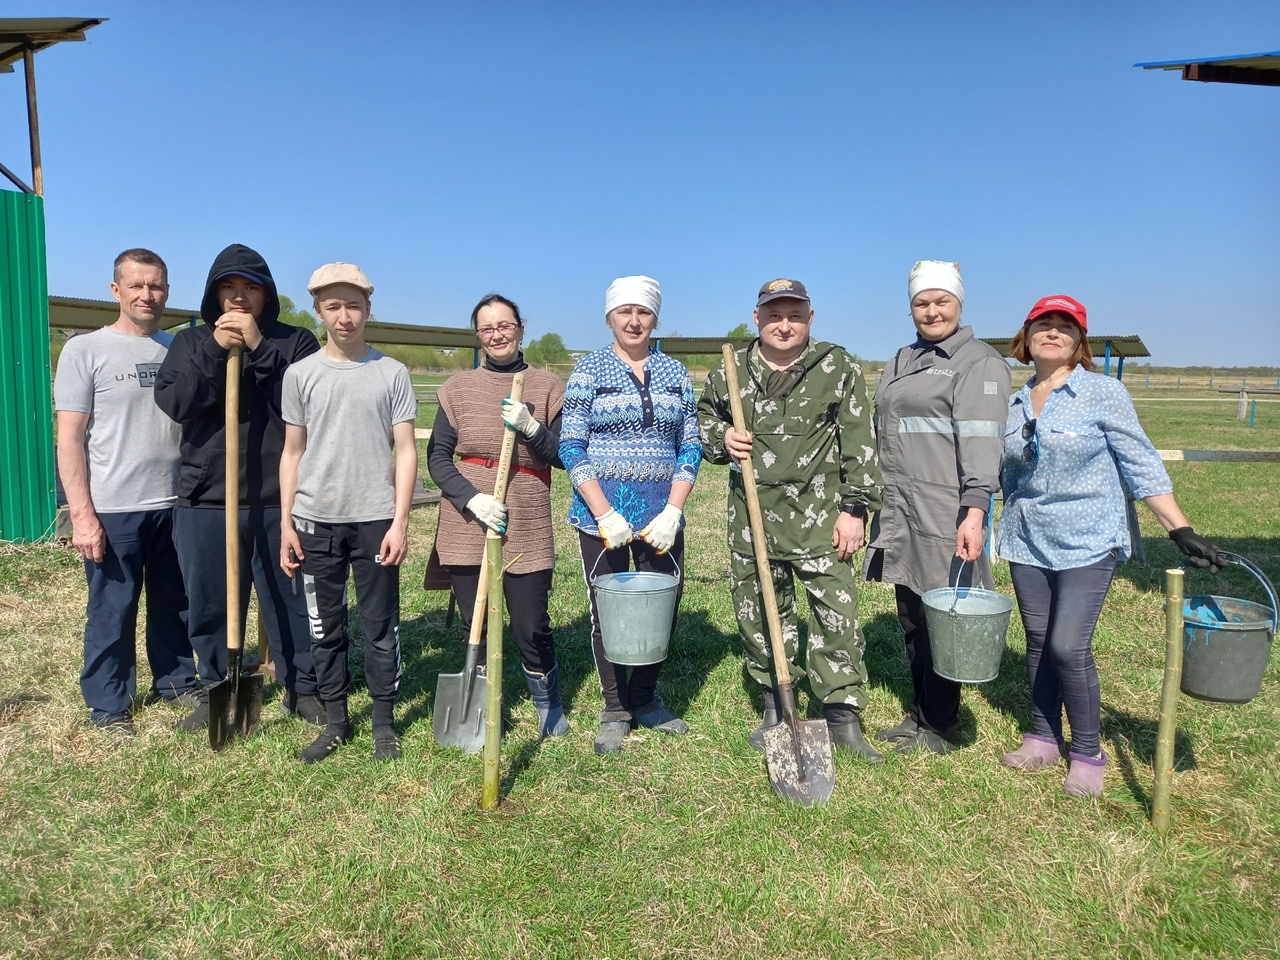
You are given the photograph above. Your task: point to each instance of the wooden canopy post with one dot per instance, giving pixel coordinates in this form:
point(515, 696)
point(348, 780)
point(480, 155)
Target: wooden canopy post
point(33, 118)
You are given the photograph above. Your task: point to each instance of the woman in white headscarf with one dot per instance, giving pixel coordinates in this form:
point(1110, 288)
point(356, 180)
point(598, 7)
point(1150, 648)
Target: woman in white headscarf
point(940, 411)
point(629, 439)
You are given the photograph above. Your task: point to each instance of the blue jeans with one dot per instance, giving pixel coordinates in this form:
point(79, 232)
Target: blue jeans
point(139, 552)
point(199, 533)
point(1059, 611)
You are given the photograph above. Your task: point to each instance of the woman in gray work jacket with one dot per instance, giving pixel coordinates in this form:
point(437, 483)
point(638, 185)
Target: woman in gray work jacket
point(940, 410)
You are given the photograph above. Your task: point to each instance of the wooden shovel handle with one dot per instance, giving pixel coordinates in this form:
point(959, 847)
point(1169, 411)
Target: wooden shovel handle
point(763, 570)
point(232, 500)
point(499, 494)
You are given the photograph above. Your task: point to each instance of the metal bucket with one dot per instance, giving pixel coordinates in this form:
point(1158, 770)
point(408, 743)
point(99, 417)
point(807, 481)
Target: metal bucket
point(1227, 642)
point(967, 627)
point(636, 611)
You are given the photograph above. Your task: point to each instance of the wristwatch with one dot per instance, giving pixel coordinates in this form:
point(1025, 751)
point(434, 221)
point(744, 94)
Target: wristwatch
point(858, 510)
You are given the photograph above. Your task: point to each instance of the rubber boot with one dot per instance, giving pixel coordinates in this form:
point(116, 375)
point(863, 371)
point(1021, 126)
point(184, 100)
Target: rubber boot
point(845, 727)
point(928, 740)
point(905, 730)
point(1036, 753)
point(544, 690)
point(1084, 776)
point(612, 732)
point(768, 718)
point(656, 716)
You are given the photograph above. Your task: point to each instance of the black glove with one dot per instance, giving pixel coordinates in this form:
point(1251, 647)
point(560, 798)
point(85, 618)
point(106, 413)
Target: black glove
point(1199, 551)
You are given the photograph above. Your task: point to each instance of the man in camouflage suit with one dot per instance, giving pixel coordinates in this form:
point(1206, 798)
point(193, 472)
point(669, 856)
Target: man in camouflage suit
point(810, 435)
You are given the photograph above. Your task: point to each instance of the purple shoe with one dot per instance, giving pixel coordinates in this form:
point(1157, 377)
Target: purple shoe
point(1036, 753)
point(1084, 778)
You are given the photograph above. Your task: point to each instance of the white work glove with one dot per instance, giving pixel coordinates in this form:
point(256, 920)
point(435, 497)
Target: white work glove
point(614, 530)
point(518, 417)
point(661, 531)
point(489, 512)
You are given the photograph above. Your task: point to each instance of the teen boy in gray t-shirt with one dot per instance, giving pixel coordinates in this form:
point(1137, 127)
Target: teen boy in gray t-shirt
point(346, 483)
point(118, 460)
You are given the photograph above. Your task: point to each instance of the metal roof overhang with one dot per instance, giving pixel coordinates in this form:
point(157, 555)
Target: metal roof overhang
point(37, 33)
point(1258, 69)
point(1126, 346)
point(74, 313)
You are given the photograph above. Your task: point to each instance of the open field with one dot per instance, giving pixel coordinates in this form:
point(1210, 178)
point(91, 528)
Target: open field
point(676, 847)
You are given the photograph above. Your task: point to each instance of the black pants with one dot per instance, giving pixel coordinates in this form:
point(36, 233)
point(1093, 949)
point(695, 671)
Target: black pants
point(199, 533)
point(332, 551)
point(139, 550)
point(623, 693)
point(526, 595)
point(1060, 609)
point(937, 699)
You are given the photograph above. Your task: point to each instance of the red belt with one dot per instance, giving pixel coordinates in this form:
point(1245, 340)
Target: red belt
point(543, 475)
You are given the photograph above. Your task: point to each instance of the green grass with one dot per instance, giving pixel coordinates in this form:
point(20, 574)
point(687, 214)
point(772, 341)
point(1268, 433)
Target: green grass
point(676, 847)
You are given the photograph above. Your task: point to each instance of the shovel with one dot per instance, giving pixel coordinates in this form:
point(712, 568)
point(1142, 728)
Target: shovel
point(235, 702)
point(797, 752)
point(458, 720)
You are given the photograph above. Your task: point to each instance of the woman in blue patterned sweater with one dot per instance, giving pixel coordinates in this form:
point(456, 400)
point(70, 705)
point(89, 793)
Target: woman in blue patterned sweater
point(629, 439)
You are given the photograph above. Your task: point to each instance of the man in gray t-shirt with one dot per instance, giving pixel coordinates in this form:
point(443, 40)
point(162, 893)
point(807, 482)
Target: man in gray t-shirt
point(118, 461)
point(346, 483)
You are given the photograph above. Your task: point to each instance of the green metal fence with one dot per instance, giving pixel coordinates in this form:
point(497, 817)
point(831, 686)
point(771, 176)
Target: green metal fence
point(27, 505)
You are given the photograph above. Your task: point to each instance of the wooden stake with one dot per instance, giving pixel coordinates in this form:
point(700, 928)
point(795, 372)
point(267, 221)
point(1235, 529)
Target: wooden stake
point(1163, 788)
point(493, 702)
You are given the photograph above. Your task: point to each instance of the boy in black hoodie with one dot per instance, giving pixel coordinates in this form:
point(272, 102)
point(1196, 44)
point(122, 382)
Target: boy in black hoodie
point(240, 308)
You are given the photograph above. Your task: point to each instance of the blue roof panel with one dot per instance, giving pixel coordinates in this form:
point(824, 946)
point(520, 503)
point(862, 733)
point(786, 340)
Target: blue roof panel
point(1265, 61)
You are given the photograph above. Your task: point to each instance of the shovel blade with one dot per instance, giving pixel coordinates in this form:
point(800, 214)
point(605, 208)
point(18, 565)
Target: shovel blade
point(800, 764)
point(453, 726)
point(235, 708)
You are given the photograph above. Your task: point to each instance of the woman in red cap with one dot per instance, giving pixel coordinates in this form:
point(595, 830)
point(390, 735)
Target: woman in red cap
point(1073, 445)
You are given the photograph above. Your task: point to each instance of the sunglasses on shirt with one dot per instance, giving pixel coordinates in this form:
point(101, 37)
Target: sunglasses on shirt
point(1031, 452)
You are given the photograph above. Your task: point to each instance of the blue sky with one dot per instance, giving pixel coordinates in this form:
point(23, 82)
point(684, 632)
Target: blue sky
point(542, 149)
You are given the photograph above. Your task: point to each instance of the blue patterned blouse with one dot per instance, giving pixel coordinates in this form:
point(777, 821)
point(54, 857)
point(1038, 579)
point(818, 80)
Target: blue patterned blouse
point(635, 438)
point(1066, 509)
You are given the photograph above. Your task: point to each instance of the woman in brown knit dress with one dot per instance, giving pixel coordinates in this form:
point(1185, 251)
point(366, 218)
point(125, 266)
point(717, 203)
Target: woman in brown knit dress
point(462, 458)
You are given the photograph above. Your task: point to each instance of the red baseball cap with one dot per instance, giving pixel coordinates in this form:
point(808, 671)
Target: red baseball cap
point(1060, 303)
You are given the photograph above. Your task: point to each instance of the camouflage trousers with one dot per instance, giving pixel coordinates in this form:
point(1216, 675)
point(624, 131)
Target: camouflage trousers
point(834, 657)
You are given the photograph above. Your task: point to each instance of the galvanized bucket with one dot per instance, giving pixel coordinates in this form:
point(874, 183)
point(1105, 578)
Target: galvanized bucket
point(636, 610)
point(967, 627)
point(1227, 642)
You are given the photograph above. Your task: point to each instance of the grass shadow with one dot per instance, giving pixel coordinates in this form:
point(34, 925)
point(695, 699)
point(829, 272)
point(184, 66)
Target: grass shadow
point(1132, 743)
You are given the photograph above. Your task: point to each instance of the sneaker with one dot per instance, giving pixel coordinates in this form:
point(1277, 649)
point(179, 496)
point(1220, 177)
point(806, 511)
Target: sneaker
point(331, 737)
point(117, 725)
point(305, 706)
point(655, 716)
point(386, 743)
point(198, 718)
